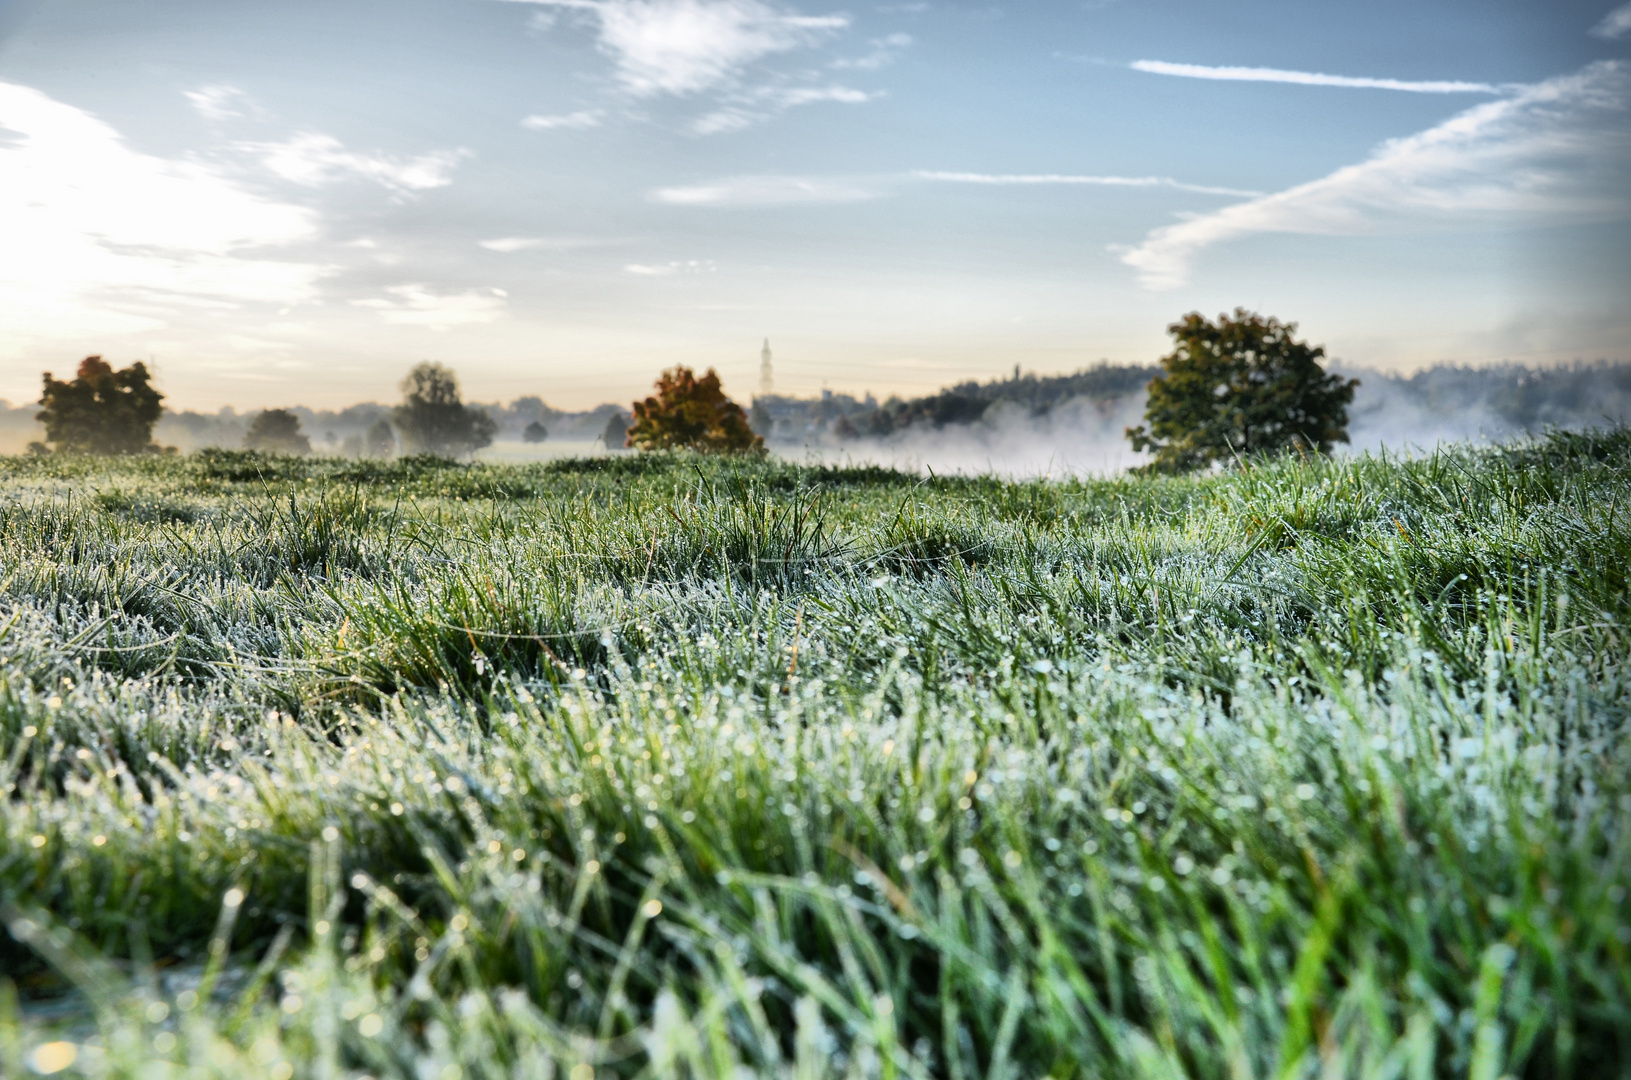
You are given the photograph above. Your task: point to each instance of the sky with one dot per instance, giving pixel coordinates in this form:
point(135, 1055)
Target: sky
point(293, 202)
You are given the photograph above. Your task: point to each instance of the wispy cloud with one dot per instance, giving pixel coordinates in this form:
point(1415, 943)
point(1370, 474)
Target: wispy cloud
point(753, 107)
point(1554, 152)
point(1310, 78)
point(765, 191)
point(884, 51)
point(686, 46)
point(102, 238)
point(219, 102)
point(312, 160)
point(1615, 24)
point(417, 305)
point(587, 118)
point(809, 95)
point(1092, 181)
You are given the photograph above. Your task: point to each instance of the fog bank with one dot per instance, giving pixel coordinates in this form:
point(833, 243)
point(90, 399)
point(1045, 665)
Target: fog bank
point(1399, 414)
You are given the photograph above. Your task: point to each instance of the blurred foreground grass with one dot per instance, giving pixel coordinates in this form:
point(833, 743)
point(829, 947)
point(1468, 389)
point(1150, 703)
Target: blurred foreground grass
point(662, 767)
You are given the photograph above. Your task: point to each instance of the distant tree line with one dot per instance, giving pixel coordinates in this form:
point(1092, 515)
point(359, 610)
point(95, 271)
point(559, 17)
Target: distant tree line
point(968, 402)
point(104, 410)
point(108, 410)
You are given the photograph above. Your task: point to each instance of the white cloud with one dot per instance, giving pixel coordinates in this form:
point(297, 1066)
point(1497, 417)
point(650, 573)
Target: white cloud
point(100, 238)
point(506, 245)
point(312, 160)
point(764, 191)
point(509, 244)
point(1309, 78)
point(1093, 181)
point(588, 118)
point(668, 269)
point(416, 305)
point(219, 102)
point(685, 46)
point(1614, 25)
point(1554, 152)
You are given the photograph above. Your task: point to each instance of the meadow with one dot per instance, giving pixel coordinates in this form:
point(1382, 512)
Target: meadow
point(658, 766)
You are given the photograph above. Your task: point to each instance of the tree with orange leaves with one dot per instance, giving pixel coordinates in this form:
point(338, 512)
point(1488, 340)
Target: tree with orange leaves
point(688, 413)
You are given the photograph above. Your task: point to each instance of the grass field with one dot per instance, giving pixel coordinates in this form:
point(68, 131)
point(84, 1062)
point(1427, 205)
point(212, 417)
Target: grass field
point(662, 767)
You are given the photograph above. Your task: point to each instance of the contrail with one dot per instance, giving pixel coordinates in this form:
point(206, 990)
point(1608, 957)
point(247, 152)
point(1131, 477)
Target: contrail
point(1309, 78)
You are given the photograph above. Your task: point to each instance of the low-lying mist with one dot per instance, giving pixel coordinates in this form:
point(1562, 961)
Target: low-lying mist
point(1079, 437)
point(1400, 414)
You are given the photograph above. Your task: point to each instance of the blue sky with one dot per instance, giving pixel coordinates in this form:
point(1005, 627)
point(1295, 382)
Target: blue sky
point(294, 202)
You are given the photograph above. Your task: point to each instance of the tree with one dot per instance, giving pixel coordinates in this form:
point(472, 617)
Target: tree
point(276, 431)
point(534, 432)
point(616, 435)
point(102, 411)
point(1240, 386)
point(688, 413)
point(433, 419)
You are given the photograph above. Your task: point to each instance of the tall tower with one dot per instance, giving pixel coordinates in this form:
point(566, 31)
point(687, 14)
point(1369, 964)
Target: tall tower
point(767, 381)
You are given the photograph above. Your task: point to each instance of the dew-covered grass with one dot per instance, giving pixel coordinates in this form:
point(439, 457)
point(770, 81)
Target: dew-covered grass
point(667, 767)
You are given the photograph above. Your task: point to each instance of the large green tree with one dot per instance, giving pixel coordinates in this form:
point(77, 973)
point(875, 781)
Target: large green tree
point(1236, 387)
point(688, 413)
point(433, 418)
point(101, 411)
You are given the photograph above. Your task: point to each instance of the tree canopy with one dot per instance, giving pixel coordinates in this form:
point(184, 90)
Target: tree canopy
point(277, 431)
point(102, 411)
point(688, 413)
point(433, 418)
point(1236, 387)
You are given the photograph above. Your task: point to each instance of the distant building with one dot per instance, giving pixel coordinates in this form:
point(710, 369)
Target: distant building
point(767, 379)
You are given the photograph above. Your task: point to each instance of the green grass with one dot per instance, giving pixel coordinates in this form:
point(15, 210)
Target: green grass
point(663, 767)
